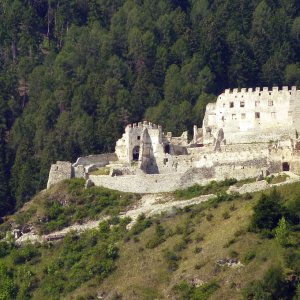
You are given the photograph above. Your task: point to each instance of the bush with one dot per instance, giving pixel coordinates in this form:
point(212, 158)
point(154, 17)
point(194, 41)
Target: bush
point(180, 246)
point(250, 255)
point(226, 215)
point(8, 289)
point(273, 286)
point(24, 254)
point(233, 254)
point(4, 248)
point(267, 212)
point(209, 217)
point(248, 196)
point(172, 260)
point(141, 224)
point(211, 188)
point(158, 238)
point(187, 291)
point(199, 237)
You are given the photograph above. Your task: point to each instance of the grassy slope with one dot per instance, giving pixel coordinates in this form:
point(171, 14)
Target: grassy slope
point(143, 273)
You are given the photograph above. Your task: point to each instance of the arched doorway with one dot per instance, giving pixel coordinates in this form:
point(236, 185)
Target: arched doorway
point(285, 166)
point(136, 153)
point(167, 149)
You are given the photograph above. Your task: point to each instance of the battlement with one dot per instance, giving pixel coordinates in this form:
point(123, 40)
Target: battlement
point(141, 125)
point(275, 89)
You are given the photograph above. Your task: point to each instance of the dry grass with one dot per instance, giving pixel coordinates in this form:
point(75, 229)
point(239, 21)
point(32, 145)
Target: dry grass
point(101, 171)
point(142, 273)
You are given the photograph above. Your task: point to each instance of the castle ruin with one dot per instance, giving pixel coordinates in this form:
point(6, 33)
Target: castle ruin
point(244, 133)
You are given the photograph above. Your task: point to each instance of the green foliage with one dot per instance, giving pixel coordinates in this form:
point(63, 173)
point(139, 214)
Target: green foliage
point(267, 212)
point(5, 248)
point(249, 256)
point(282, 234)
point(141, 224)
point(24, 254)
point(172, 260)
point(71, 203)
point(7, 287)
point(187, 291)
point(158, 238)
point(273, 286)
point(211, 188)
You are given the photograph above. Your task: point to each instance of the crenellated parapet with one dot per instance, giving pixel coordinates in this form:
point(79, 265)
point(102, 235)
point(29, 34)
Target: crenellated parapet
point(141, 125)
point(256, 90)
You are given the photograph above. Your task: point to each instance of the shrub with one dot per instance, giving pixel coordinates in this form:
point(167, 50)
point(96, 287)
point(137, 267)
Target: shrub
point(230, 242)
point(180, 246)
point(226, 215)
point(209, 217)
point(187, 291)
point(250, 255)
point(112, 251)
point(172, 260)
point(24, 254)
point(199, 237)
point(273, 286)
point(248, 196)
point(233, 254)
point(267, 212)
point(198, 250)
point(8, 289)
point(158, 238)
point(211, 188)
point(282, 233)
point(141, 224)
point(4, 248)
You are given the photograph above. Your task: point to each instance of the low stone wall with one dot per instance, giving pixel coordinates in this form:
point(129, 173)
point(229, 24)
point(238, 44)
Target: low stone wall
point(159, 183)
point(100, 160)
point(140, 183)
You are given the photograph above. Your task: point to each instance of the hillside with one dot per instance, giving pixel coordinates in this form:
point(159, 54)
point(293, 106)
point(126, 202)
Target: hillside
point(229, 247)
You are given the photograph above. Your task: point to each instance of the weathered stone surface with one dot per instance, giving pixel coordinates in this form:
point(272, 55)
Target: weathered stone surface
point(60, 171)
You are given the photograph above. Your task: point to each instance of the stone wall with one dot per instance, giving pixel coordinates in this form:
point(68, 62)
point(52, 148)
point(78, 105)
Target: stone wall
point(253, 115)
point(60, 171)
point(100, 160)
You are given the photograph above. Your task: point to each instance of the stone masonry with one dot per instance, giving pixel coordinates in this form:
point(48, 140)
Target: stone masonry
point(244, 133)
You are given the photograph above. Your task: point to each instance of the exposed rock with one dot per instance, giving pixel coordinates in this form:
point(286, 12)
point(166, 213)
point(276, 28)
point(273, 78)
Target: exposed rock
point(60, 171)
point(232, 262)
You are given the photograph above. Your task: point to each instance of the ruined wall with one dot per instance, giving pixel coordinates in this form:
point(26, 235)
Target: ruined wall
point(249, 115)
point(168, 182)
point(100, 160)
point(60, 171)
point(132, 139)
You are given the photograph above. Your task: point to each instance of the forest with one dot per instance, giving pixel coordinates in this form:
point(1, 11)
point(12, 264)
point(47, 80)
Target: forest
point(73, 73)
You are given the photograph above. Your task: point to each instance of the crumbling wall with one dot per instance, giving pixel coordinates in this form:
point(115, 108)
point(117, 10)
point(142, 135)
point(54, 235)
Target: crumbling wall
point(100, 160)
point(60, 171)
